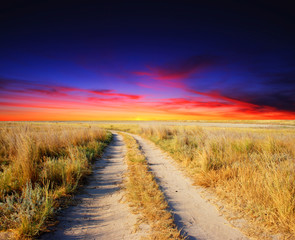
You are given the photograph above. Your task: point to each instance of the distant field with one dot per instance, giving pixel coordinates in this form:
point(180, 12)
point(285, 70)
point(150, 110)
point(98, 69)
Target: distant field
point(202, 123)
point(211, 123)
point(249, 165)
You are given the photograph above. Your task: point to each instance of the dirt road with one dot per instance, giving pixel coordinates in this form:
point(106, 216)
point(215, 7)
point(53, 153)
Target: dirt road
point(198, 218)
point(102, 215)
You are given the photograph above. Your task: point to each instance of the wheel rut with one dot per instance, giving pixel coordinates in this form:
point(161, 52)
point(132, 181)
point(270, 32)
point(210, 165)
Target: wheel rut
point(101, 213)
point(196, 217)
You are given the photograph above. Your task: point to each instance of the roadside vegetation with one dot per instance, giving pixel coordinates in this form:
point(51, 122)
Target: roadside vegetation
point(145, 197)
point(40, 164)
point(251, 169)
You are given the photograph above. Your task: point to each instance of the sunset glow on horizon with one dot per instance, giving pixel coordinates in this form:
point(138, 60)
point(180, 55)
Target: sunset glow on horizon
point(29, 101)
point(141, 61)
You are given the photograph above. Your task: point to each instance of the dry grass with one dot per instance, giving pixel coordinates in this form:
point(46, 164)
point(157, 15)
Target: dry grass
point(40, 163)
point(253, 170)
point(145, 196)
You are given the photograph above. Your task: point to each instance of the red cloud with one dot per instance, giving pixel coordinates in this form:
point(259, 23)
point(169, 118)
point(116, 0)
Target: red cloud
point(219, 107)
point(162, 75)
point(31, 105)
point(192, 103)
point(113, 93)
point(180, 69)
point(27, 87)
point(212, 104)
point(217, 95)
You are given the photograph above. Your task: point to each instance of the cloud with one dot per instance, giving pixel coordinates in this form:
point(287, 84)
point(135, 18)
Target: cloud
point(174, 73)
point(33, 88)
point(239, 106)
point(271, 91)
point(184, 68)
point(191, 103)
point(32, 105)
point(263, 91)
point(19, 94)
point(275, 98)
point(216, 94)
point(275, 90)
point(108, 92)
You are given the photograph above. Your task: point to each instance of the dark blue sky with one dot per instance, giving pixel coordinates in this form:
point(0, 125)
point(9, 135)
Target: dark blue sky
point(209, 59)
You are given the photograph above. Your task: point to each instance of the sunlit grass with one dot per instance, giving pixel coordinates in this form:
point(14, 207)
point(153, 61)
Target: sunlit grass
point(251, 169)
point(40, 163)
point(145, 196)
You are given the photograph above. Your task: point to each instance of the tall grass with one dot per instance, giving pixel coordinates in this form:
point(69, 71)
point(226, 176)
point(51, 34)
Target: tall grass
point(253, 170)
point(145, 196)
point(39, 163)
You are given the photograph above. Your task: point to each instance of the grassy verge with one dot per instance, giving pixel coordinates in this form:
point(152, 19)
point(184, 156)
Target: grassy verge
point(145, 196)
point(38, 166)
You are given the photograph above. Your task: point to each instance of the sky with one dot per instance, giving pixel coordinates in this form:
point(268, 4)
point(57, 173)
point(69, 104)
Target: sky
point(146, 60)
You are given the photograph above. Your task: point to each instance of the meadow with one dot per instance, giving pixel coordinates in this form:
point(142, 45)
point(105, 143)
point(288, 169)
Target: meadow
point(40, 165)
point(251, 170)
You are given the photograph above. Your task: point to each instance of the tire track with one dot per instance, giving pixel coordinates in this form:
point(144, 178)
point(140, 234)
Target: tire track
point(100, 213)
point(194, 215)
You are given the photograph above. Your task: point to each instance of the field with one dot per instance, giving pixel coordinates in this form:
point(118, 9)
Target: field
point(251, 170)
point(40, 164)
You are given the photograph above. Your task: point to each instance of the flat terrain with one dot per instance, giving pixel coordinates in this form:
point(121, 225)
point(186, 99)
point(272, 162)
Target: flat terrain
point(197, 218)
point(254, 124)
point(101, 213)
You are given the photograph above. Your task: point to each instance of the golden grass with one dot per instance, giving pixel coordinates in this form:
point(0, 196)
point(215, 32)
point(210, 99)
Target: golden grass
point(145, 196)
point(40, 163)
point(251, 169)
